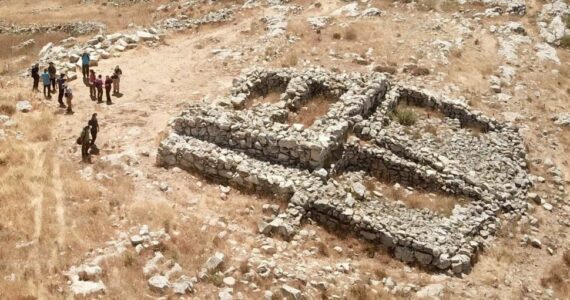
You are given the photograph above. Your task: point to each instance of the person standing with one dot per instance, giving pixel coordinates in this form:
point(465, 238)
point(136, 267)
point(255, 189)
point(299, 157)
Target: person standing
point(61, 89)
point(36, 77)
point(68, 98)
point(92, 89)
point(108, 85)
point(85, 144)
point(52, 75)
point(46, 80)
point(94, 124)
point(117, 80)
point(99, 86)
point(85, 61)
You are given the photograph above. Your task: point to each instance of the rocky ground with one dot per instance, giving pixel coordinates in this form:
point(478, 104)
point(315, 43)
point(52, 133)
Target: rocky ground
point(124, 228)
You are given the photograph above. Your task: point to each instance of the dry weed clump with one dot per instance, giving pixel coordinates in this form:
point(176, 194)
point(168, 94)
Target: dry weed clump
point(558, 277)
point(565, 41)
point(291, 59)
point(271, 97)
point(405, 117)
point(307, 115)
point(385, 69)
point(350, 34)
point(436, 202)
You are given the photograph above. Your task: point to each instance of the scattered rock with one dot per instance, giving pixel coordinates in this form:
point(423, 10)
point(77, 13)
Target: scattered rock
point(158, 283)
point(431, 291)
point(291, 293)
point(213, 263)
point(24, 106)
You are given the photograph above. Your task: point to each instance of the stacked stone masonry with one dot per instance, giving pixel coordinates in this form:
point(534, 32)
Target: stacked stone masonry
point(319, 169)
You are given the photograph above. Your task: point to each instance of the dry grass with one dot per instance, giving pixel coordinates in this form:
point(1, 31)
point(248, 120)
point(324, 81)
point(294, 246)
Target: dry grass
point(350, 34)
point(271, 97)
point(15, 61)
point(115, 18)
point(440, 203)
point(291, 59)
point(565, 41)
point(558, 277)
point(308, 114)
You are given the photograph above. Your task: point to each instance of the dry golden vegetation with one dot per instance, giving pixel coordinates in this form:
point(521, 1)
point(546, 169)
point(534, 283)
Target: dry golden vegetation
point(558, 277)
point(437, 202)
point(314, 108)
point(65, 11)
point(15, 60)
point(271, 97)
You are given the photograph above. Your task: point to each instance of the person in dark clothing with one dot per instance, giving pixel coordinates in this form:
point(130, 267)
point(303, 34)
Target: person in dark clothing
point(46, 81)
point(108, 85)
point(85, 144)
point(61, 90)
point(36, 77)
point(92, 89)
point(117, 80)
point(99, 86)
point(94, 124)
point(85, 61)
point(52, 76)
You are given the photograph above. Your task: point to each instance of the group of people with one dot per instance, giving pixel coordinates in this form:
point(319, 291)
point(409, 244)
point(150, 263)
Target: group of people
point(96, 82)
point(50, 80)
point(96, 85)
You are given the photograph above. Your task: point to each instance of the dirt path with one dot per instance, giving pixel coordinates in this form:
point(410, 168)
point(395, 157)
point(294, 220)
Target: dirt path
point(60, 206)
point(38, 203)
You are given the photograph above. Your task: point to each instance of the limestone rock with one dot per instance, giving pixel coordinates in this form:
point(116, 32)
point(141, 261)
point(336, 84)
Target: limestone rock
point(158, 283)
point(24, 106)
point(214, 262)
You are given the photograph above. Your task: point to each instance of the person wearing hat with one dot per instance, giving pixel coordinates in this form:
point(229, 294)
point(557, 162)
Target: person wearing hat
point(52, 75)
point(85, 61)
point(61, 89)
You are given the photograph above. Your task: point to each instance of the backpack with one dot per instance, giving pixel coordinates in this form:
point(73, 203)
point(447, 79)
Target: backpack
point(79, 140)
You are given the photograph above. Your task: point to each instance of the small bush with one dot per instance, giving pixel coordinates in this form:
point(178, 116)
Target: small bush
point(431, 129)
point(350, 34)
point(406, 117)
point(566, 20)
point(290, 60)
point(128, 259)
point(416, 70)
point(7, 109)
point(216, 279)
point(565, 41)
point(385, 69)
point(336, 36)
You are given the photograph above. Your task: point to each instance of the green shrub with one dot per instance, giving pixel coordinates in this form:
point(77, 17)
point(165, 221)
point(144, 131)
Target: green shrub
point(565, 41)
point(406, 117)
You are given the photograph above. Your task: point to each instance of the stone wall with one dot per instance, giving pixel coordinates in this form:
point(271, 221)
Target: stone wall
point(255, 150)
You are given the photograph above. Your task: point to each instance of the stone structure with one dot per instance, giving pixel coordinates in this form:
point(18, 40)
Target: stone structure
point(319, 168)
